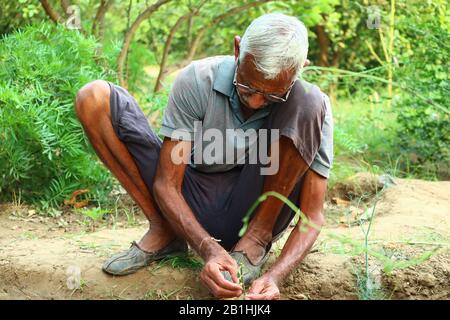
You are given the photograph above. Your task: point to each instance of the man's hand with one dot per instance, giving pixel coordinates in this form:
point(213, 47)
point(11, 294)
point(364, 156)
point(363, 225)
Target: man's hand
point(264, 288)
point(211, 276)
point(167, 190)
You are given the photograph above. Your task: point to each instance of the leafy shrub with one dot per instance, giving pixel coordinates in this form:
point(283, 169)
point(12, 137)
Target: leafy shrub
point(44, 155)
point(423, 110)
point(17, 13)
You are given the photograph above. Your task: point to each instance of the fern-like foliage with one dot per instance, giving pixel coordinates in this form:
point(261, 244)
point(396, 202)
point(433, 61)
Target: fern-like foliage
point(43, 151)
point(346, 144)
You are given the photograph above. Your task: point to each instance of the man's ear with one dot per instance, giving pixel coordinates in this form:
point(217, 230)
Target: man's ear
point(307, 63)
point(237, 43)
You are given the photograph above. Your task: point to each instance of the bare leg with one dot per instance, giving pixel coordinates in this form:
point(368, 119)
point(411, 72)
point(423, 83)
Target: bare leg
point(259, 233)
point(93, 111)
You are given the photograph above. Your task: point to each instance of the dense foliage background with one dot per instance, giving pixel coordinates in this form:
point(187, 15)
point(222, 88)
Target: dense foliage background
point(384, 63)
point(44, 155)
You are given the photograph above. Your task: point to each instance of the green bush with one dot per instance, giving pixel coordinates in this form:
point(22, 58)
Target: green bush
point(44, 155)
point(423, 109)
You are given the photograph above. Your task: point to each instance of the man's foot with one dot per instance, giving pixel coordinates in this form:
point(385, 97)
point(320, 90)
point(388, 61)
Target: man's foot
point(155, 239)
point(250, 253)
point(247, 271)
point(135, 258)
point(254, 248)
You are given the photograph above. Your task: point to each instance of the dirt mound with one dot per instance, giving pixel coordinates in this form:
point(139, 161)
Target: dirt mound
point(362, 185)
point(411, 219)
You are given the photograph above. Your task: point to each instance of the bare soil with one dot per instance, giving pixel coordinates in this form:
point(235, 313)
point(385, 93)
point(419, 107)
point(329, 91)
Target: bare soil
point(411, 218)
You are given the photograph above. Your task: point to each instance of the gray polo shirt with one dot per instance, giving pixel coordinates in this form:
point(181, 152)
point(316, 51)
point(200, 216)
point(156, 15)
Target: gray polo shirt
point(204, 91)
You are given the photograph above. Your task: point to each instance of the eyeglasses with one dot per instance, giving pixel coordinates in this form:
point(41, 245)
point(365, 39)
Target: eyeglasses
point(251, 91)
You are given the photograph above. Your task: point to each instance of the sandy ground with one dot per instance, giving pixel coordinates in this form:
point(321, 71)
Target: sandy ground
point(411, 218)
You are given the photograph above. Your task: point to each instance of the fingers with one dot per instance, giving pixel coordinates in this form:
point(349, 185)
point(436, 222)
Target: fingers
point(256, 287)
point(233, 273)
point(271, 294)
point(218, 291)
point(231, 266)
point(218, 278)
point(262, 290)
point(262, 296)
point(213, 279)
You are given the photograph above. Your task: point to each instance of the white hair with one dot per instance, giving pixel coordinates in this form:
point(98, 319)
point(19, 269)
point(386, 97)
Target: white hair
point(277, 42)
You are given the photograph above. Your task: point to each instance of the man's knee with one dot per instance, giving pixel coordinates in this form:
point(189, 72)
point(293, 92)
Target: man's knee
point(92, 101)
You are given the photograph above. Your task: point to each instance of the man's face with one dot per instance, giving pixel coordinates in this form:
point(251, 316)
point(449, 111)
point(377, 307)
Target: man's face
point(248, 75)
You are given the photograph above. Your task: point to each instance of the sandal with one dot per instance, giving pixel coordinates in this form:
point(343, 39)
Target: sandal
point(248, 271)
point(135, 258)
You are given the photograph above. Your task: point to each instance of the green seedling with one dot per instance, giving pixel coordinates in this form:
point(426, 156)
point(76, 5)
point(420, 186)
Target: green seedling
point(93, 215)
point(348, 245)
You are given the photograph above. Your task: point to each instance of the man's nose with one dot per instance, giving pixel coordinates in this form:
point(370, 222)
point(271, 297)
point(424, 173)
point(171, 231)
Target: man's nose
point(256, 101)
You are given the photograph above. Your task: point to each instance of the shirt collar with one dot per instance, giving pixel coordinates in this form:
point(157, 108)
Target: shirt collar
point(224, 77)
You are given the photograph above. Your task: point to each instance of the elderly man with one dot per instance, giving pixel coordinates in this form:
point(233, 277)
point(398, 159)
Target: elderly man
point(203, 202)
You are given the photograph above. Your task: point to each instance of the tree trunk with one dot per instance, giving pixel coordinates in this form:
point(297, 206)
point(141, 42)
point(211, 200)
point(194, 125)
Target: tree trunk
point(391, 50)
point(97, 25)
point(129, 36)
point(127, 70)
point(324, 44)
point(189, 31)
point(51, 12)
point(332, 89)
point(162, 66)
point(54, 15)
point(64, 5)
point(153, 42)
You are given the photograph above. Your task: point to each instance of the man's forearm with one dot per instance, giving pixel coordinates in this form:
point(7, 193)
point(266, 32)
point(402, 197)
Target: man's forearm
point(182, 219)
point(299, 242)
point(296, 248)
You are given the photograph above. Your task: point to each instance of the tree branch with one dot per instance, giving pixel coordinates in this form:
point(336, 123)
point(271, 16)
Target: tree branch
point(99, 18)
point(165, 54)
point(153, 42)
point(129, 37)
point(205, 28)
point(65, 5)
point(324, 44)
point(51, 12)
point(168, 43)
